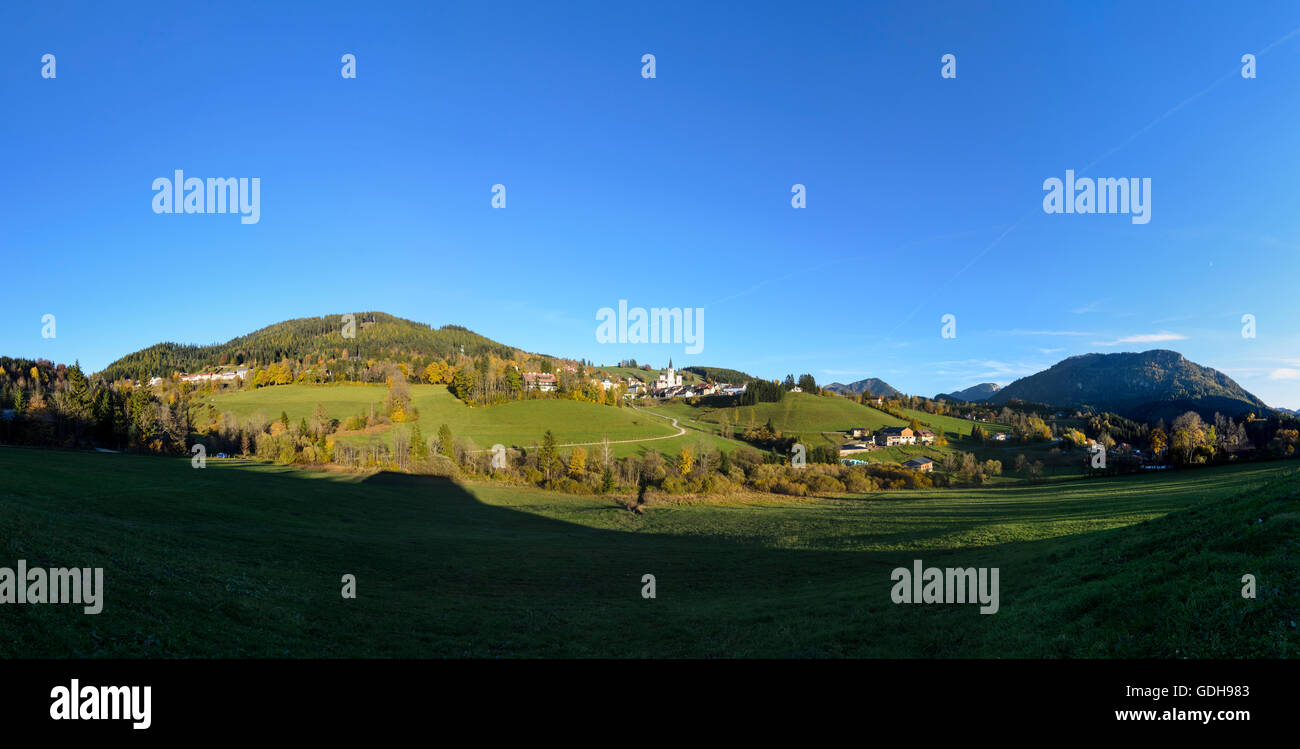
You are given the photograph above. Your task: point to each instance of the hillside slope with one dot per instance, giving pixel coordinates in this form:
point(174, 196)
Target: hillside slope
point(1142, 566)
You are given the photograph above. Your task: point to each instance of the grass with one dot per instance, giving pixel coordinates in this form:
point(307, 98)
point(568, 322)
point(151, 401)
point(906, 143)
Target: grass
point(952, 425)
point(816, 419)
point(245, 559)
point(518, 423)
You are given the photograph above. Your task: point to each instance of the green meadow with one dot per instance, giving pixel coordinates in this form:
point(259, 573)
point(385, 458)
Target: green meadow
point(950, 425)
point(810, 416)
point(514, 424)
point(241, 559)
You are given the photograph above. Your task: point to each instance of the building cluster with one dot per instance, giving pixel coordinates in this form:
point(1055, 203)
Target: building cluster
point(669, 384)
point(229, 376)
point(888, 437)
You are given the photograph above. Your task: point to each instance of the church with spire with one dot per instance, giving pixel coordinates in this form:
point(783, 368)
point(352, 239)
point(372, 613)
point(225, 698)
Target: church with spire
point(668, 378)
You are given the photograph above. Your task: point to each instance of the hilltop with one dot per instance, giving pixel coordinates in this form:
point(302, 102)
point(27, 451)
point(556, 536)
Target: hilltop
point(1146, 386)
point(872, 385)
point(378, 335)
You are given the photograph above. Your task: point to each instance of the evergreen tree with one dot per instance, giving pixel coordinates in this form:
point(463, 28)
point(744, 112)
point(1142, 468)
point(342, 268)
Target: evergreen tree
point(546, 456)
point(419, 448)
point(445, 446)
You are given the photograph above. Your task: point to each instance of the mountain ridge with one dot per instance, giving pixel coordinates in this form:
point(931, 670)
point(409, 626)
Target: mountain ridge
point(1153, 384)
point(972, 394)
point(873, 385)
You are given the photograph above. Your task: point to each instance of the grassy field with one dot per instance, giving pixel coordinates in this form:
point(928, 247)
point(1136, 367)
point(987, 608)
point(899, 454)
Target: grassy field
point(951, 425)
point(519, 423)
point(243, 559)
point(816, 419)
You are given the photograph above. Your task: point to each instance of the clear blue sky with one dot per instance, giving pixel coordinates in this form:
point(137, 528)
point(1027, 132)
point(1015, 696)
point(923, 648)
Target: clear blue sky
point(924, 194)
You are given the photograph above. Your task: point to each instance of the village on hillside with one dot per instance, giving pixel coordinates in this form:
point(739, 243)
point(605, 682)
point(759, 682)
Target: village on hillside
point(667, 385)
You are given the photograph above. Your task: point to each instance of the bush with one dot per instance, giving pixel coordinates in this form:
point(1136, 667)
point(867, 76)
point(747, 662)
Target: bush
point(568, 486)
point(436, 465)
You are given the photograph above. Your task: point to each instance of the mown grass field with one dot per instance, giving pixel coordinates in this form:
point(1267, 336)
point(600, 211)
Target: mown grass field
point(515, 424)
point(951, 425)
point(244, 559)
point(816, 419)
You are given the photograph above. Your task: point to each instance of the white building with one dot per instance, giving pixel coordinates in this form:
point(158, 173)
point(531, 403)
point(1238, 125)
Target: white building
point(238, 374)
point(668, 378)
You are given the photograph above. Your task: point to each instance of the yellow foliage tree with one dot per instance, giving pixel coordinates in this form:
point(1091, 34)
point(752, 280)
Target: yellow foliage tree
point(686, 460)
point(577, 462)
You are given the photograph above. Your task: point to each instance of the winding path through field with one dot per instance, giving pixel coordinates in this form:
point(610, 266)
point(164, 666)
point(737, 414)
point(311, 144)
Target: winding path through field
point(680, 431)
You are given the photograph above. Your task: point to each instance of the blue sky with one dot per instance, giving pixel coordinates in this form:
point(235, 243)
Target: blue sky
point(924, 194)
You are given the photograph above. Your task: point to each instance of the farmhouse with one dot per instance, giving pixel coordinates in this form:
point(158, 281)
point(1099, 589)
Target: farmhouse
point(859, 432)
point(539, 381)
point(920, 464)
point(854, 448)
point(238, 374)
point(890, 436)
point(925, 437)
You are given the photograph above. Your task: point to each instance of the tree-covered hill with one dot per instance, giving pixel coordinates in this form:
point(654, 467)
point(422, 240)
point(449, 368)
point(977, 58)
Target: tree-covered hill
point(378, 336)
point(873, 385)
point(1149, 385)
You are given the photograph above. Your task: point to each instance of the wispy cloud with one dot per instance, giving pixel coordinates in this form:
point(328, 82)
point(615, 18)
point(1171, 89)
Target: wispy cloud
point(1050, 351)
point(1163, 335)
point(984, 370)
point(1090, 306)
point(1284, 374)
point(1019, 331)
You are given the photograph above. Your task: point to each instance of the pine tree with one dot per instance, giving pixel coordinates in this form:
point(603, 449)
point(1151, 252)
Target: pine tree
point(546, 456)
point(419, 448)
point(445, 446)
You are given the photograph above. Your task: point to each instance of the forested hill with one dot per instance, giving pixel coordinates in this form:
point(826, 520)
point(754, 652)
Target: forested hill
point(873, 385)
point(378, 336)
point(1146, 386)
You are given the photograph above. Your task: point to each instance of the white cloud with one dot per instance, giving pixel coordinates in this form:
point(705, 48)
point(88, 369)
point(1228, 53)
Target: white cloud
point(1284, 374)
point(1090, 306)
point(1163, 335)
point(1019, 331)
point(985, 370)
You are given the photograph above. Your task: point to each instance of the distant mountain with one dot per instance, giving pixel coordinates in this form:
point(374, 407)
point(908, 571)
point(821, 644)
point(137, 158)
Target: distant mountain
point(871, 385)
point(1147, 386)
point(973, 394)
point(378, 336)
